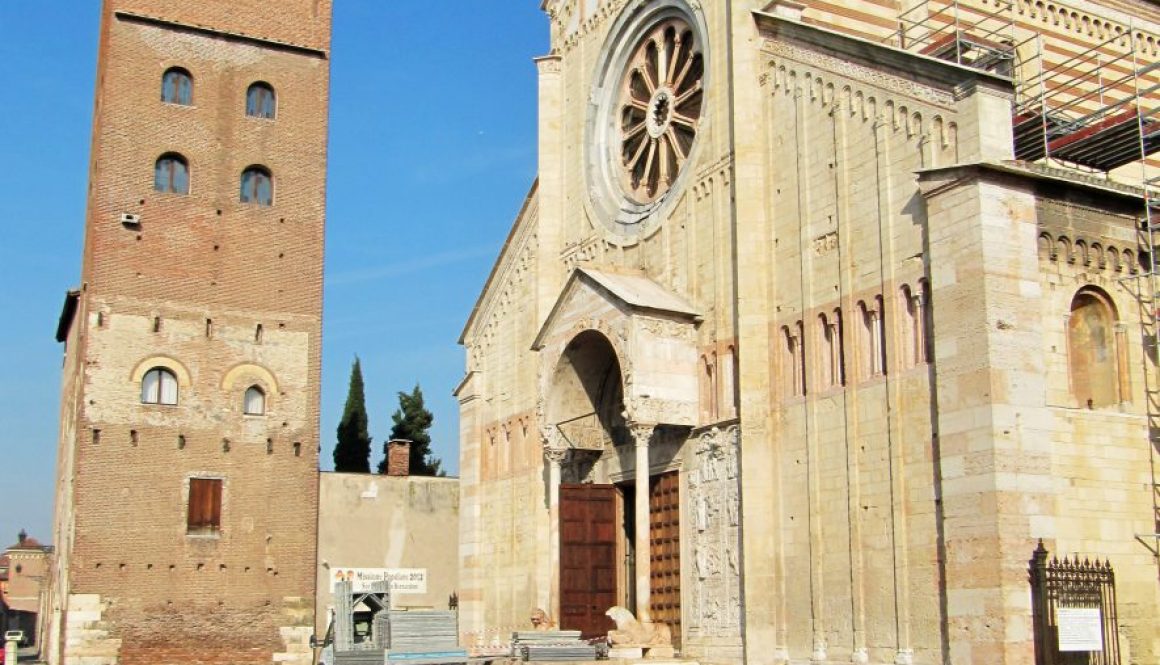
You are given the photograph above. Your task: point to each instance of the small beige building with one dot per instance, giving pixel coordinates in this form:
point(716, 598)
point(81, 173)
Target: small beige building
point(25, 569)
point(397, 527)
point(817, 319)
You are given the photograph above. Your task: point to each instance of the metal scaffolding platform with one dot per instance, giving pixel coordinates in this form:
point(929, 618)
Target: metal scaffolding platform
point(1099, 109)
point(963, 33)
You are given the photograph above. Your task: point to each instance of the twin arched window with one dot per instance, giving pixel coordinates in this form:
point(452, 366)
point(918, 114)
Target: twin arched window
point(171, 174)
point(260, 100)
point(159, 386)
point(177, 87)
point(257, 186)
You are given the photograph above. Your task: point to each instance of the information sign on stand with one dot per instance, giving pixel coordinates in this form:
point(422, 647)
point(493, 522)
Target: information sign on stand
point(1080, 628)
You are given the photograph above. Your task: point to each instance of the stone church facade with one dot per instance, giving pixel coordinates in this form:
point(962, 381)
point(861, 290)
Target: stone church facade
point(786, 350)
point(187, 488)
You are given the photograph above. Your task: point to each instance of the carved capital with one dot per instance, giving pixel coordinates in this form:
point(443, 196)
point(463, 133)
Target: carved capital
point(641, 432)
point(555, 456)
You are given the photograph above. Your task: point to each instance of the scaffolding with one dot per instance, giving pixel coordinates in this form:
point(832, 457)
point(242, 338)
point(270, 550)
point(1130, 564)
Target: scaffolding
point(966, 34)
point(1095, 111)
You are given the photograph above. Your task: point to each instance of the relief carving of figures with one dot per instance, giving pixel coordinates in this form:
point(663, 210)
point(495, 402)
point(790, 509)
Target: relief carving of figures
point(659, 410)
point(668, 328)
point(702, 506)
point(733, 506)
point(713, 487)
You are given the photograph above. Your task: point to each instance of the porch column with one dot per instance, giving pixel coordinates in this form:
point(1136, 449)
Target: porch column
point(555, 457)
point(641, 433)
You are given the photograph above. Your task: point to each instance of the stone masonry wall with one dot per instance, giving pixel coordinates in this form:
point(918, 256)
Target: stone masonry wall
point(1100, 457)
point(838, 249)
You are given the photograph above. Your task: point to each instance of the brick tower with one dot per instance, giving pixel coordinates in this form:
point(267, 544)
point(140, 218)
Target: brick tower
point(188, 465)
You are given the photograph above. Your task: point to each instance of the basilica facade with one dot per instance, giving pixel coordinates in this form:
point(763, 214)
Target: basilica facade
point(813, 326)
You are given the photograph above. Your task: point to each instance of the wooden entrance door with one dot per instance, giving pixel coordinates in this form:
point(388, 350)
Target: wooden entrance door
point(664, 535)
point(587, 558)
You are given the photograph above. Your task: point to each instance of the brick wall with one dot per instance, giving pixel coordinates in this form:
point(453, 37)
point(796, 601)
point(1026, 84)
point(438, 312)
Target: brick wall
point(398, 457)
point(228, 295)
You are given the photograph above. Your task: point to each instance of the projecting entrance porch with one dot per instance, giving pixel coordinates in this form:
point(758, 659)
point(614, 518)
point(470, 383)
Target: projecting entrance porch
point(618, 376)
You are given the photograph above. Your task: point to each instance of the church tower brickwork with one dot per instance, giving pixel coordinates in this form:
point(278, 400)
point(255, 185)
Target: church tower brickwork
point(188, 459)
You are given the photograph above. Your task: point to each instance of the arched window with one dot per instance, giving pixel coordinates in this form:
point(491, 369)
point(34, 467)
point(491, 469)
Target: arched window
point(171, 174)
point(177, 87)
point(159, 386)
point(1092, 350)
point(260, 100)
point(257, 186)
point(254, 403)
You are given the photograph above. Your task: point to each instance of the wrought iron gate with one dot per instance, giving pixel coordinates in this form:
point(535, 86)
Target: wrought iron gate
point(1077, 588)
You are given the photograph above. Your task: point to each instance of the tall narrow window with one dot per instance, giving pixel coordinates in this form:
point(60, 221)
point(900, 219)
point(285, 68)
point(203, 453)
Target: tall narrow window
point(257, 186)
point(828, 373)
point(789, 362)
point(871, 345)
point(880, 334)
point(714, 388)
point(171, 174)
point(205, 506)
point(260, 100)
point(254, 403)
point(911, 346)
point(177, 87)
point(801, 358)
point(1091, 346)
point(839, 333)
point(922, 304)
point(159, 386)
point(830, 333)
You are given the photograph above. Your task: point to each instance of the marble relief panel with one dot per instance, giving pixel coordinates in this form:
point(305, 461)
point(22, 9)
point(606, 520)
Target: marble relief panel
point(714, 504)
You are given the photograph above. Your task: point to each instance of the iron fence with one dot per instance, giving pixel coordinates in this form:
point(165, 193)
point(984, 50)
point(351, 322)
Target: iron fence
point(1074, 609)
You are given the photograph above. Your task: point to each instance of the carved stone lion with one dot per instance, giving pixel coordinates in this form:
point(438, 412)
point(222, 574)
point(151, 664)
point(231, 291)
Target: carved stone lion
point(630, 632)
point(541, 620)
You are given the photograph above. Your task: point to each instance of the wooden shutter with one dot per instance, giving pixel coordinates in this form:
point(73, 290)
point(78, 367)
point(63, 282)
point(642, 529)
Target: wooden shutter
point(205, 505)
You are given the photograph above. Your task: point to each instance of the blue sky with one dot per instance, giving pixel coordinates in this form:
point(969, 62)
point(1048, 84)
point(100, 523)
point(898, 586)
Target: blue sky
point(432, 149)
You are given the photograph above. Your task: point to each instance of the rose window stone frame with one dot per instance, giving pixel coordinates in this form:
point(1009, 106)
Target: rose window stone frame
point(647, 116)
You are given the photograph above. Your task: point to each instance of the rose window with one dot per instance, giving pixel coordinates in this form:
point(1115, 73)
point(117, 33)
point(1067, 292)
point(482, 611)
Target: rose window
point(659, 108)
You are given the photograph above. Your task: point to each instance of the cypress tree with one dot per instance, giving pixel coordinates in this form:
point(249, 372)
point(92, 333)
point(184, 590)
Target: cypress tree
point(353, 451)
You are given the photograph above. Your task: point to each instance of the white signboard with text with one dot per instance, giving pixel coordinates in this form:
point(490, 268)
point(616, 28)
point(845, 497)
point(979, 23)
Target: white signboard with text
point(1080, 628)
point(403, 580)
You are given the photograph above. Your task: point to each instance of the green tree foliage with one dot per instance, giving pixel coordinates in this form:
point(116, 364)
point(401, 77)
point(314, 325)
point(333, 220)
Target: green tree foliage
point(412, 422)
point(353, 451)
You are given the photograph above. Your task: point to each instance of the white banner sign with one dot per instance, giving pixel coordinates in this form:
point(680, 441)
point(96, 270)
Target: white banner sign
point(1080, 628)
point(403, 580)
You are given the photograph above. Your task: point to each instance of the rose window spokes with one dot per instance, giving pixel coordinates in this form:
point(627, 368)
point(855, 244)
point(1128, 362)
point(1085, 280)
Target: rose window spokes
point(660, 105)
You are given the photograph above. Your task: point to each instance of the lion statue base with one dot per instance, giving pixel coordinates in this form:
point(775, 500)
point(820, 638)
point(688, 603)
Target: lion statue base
point(656, 638)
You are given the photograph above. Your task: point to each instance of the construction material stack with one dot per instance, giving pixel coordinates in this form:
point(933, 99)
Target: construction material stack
point(552, 645)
